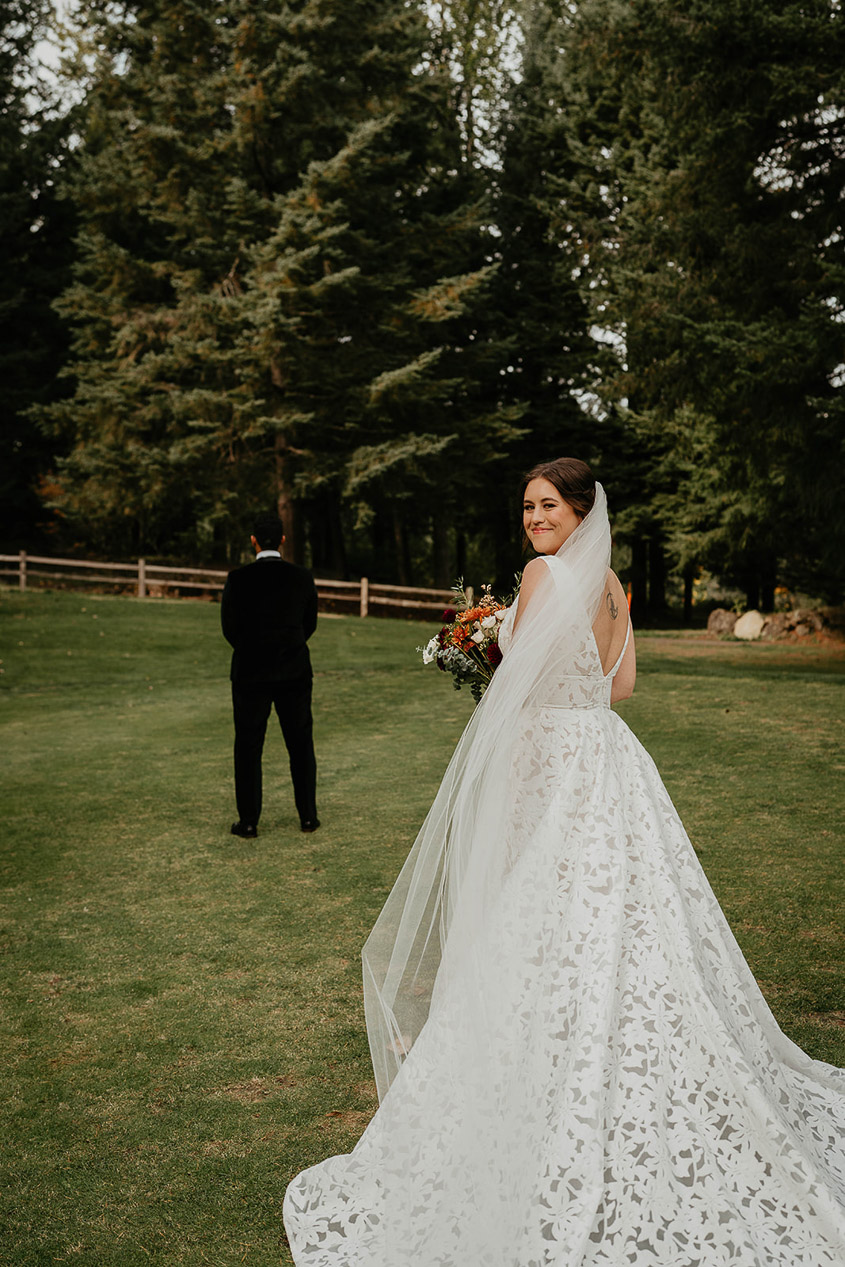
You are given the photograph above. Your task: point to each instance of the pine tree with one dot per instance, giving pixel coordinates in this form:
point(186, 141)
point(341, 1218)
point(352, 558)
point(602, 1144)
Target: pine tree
point(475, 43)
point(366, 323)
point(554, 364)
point(711, 143)
point(36, 228)
point(274, 245)
point(153, 253)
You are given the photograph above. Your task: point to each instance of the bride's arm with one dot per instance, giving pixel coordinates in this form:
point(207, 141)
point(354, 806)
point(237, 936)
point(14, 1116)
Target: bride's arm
point(535, 573)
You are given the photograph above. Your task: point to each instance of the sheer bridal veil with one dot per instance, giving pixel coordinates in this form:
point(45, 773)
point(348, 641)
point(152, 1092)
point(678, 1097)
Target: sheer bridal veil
point(436, 917)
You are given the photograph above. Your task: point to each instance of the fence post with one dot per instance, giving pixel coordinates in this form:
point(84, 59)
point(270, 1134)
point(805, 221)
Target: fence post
point(142, 578)
point(365, 595)
point(470, 593)
point(22, 570)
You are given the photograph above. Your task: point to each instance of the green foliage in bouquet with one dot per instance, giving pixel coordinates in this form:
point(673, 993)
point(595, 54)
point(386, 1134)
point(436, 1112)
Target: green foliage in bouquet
point(467, 645)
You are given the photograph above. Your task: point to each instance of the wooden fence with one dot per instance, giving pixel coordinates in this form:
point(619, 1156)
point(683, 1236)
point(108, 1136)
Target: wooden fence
point(153, 580)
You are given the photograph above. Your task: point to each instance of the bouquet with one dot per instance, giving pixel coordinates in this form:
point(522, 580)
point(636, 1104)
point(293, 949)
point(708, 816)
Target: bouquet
point(467, 646)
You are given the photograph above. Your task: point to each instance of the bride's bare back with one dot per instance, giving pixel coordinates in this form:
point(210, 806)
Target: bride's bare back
point(610, 630)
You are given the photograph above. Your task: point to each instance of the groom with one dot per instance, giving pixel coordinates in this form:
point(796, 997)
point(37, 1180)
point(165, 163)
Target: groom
point(269, 611)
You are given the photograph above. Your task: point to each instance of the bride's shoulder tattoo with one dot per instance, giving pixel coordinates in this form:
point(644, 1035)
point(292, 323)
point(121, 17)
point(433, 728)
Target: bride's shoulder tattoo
point(611, 607)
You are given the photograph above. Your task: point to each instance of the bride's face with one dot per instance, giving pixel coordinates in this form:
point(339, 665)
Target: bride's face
point(547, 519)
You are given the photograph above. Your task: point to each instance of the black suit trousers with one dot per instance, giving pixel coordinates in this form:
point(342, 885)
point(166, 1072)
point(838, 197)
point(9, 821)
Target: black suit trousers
point(252, 702)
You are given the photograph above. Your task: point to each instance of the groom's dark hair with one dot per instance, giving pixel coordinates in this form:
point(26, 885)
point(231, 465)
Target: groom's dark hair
point(268, 531)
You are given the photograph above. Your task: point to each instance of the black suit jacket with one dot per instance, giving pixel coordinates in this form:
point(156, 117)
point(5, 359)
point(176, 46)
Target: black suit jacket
point(269, 611)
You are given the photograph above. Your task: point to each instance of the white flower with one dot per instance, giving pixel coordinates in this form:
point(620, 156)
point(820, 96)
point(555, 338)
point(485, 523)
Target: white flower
point(430, 651)
point(502, 612)
point(488, 622)
point(478, 636)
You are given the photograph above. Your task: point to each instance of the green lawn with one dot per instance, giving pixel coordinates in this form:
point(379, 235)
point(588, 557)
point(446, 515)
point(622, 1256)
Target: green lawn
point(182, 1012)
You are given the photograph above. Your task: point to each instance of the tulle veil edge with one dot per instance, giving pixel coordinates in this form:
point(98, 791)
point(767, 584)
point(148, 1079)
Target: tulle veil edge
point(437, 906)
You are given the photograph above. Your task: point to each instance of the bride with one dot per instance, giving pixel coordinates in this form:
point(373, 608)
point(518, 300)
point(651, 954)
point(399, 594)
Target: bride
point(575, 1065)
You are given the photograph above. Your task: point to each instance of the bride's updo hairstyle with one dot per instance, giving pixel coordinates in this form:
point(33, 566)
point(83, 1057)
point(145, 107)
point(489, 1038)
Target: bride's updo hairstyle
point(572, 478)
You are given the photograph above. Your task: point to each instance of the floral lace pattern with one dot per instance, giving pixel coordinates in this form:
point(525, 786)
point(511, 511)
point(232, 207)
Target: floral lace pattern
point(600, 1083)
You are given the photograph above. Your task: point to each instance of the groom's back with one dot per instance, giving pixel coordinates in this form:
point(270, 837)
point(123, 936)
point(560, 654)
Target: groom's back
point(269, 610)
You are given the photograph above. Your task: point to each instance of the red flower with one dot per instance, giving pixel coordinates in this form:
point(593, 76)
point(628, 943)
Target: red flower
point(449, 614)
point(494, 655)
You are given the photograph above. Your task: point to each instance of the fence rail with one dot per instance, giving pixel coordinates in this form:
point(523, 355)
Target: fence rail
point(154, 580)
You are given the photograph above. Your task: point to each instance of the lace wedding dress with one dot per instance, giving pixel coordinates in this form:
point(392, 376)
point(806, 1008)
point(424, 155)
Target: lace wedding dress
point(576, 1066)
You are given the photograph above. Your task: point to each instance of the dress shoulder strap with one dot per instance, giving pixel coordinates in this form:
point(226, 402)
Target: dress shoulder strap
point(621, 655)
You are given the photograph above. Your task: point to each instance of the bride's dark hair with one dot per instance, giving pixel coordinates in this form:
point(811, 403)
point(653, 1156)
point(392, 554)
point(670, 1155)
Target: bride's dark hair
point(572, 478)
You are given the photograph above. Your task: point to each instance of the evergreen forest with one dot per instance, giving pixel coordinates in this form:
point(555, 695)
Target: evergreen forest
point(366, 261)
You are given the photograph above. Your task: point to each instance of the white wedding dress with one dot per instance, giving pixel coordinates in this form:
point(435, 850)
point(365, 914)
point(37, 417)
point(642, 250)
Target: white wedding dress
point(575, 1063)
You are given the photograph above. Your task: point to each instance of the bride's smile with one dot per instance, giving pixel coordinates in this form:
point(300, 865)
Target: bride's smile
point(548, 520)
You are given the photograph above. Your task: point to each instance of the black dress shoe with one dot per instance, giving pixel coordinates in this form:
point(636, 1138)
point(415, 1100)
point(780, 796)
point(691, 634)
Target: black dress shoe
point(247, 830)
point(309, 824)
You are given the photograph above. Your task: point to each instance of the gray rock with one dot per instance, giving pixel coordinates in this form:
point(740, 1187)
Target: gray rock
point(804, 616)
point(721, 621)
point(749, 626)
point(776, 626)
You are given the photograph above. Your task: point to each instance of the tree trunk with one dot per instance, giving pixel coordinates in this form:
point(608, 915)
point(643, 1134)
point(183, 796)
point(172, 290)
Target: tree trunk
point(768, 579)
point(400, 541)
point(338, 543)
point(312, 529)
point(383, 565)
point(639, 578)
point(461, 555)
point(752, 587)
point(441, 554)
point(285, 505)
point(509, 558)
point(656, 575)
point(325, 536)
point(689, 577)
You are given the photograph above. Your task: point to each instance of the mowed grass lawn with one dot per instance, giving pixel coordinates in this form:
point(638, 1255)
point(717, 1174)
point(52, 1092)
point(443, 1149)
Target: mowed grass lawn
point(182, 1011)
